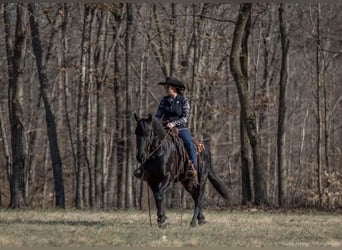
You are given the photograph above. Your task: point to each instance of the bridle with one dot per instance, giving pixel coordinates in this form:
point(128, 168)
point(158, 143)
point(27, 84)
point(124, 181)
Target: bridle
point(150, 143)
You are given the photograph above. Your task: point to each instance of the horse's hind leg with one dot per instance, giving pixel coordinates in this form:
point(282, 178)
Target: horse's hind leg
point(201, 218)
point(197, 211)
point(195, 194)
point(198, 195)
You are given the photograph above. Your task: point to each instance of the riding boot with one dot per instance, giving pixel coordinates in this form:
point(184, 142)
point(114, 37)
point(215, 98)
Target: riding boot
point(191, 171)
point(139, 172)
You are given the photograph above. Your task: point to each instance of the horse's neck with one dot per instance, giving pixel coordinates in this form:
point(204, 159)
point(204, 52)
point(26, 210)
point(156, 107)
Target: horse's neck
point(158, 129)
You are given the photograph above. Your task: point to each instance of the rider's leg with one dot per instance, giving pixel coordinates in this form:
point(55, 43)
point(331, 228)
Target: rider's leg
point(185, 135)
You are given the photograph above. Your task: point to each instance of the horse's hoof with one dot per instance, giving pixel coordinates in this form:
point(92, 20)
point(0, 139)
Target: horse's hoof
point(162, 226)
point(202, 222)
point(193, 224)
point(162, 222)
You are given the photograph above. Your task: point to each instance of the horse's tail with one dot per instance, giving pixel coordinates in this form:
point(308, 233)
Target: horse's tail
point(217, 182)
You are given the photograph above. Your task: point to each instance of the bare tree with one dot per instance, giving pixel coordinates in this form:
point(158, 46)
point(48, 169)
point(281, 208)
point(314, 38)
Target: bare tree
point(246, 163)
point(45, 91)
point(15, 62)
point(248, 114)
point(319, 110)
point(100, 109)
point(129, 82)
point(114, 187)
point(174, 40)
point(82, 113)
point(282, 175)
point(6, 148)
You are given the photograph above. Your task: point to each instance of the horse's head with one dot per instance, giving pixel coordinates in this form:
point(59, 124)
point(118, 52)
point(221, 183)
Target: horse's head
point(144, 137)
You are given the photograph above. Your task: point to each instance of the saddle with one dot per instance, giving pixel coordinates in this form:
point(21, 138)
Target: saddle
point(199, 146)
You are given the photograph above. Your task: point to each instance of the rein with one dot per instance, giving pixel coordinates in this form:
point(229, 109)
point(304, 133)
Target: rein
point(148, 156)
point(157, 148)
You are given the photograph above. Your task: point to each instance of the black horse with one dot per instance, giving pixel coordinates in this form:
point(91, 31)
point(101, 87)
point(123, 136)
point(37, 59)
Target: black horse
point(164, 159)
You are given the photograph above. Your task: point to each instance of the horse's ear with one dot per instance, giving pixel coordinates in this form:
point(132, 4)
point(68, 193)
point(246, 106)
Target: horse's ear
point(136, 117)
point(149, 118)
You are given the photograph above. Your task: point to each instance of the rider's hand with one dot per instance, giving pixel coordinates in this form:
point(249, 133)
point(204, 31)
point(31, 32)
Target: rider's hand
point(170, 125)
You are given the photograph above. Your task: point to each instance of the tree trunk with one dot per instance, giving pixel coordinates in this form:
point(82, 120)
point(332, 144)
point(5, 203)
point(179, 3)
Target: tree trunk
point(129, 35)
point(92, 107)
point(119, 132)
point(46, 179)
point(45, 90)
point(319, 111)
point(82, 112)
point(6, 147)
point(64, 50)
point(326, 140)
point(174, 41)
point(248, 114)
point(265, 113)
point(116, 162)
point(15, 60)
point(100, 124)
point(282, 174)
point(246, 163)
point(194, 69)
point(159, 48)
point(31, 155)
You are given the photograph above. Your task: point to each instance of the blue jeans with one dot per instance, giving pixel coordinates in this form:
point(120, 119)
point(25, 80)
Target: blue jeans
point(185, 135)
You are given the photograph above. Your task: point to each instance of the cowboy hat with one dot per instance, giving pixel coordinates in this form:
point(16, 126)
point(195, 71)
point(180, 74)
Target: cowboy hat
point(173, 82)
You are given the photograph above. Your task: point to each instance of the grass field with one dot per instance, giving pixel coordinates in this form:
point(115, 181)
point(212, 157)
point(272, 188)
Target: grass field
point(132, 228)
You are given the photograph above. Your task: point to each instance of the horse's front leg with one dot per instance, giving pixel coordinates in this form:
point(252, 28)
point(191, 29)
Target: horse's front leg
point(165, 185)
point(161, 217)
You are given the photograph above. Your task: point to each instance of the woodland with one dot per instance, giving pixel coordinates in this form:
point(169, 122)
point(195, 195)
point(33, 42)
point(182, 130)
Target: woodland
point(264, 83)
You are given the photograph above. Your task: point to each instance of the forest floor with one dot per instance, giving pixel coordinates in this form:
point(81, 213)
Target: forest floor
point(253, 228)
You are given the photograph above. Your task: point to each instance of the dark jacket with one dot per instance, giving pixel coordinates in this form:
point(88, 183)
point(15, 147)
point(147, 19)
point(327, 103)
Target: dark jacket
point(176, 110)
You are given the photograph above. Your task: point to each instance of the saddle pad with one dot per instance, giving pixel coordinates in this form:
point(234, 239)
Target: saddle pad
point(198, 145)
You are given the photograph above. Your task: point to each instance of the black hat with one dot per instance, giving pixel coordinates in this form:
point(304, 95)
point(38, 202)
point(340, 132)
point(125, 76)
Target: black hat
point(173, 82)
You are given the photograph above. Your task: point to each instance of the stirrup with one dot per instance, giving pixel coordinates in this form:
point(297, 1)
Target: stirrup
point(191, 171)
point(139, 172)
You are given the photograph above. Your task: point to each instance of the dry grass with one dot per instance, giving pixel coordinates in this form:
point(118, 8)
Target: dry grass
point(131, 228)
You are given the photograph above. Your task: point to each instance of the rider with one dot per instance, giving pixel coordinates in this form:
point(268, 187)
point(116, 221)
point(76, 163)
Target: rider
point(174, 109)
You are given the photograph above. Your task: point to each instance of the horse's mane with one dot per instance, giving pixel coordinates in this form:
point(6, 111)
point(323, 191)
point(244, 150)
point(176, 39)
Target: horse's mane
point(158, 128)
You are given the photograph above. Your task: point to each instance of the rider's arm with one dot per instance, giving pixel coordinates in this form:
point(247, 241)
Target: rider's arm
point(184, 118)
